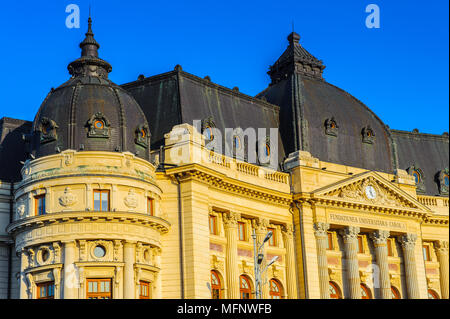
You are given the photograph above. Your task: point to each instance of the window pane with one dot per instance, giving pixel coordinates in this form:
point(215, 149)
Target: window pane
point(105, 201)
point(96, 201)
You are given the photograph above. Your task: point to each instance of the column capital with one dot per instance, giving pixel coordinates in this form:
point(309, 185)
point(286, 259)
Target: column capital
point(379, 237)
point(349, 232)
point(408, 240)
point(287, 230)
point(320, 229)
point(442, 247)
point(260, 224)
point(230, 219)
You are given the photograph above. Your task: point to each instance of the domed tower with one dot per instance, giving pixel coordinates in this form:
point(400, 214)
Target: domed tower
point(89, 112)
point(88, 222)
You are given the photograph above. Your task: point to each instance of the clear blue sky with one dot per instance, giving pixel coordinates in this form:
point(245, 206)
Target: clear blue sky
point(400, 71)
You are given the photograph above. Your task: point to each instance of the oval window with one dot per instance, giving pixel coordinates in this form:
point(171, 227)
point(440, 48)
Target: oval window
point(416, 176)
point(45, 255)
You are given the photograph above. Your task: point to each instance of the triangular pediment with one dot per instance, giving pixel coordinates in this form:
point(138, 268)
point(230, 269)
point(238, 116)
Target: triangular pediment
point(371, 189)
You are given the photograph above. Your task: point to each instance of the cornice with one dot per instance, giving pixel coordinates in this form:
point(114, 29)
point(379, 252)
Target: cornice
point(122, 217)
point(223, 182)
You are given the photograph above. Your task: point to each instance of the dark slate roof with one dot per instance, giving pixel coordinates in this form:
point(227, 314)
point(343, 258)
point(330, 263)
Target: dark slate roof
point(179, 97)
point(305, 105)
point(66, 118)
point(428, 152)
point(12, 148)
point(307, 102)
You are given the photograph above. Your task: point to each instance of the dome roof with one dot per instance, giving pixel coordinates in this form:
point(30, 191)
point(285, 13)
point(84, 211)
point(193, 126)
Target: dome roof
point(89, 112)
point(323, 119)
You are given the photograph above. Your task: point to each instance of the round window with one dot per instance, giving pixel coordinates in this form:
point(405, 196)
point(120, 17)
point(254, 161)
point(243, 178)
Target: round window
point(98, 125)
point(99, 251)
point(142, 133)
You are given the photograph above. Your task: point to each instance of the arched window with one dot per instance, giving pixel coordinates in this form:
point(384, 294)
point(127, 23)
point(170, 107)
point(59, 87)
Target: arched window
point(245, 288)
point(365, 292)
point(276, 291)
point(416, 175)
point(216, 287)
point(432, 294)
point(335, 292)
point(395, 293)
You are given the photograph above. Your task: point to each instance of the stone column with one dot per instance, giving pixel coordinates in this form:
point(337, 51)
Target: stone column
point(260, 225)
point(291, 276)
point(230, 220)
point(128, 270)
point(442, 253)
point(379, 238)
point(408, 242)
point(70, 276)
point(350, 235)
point(320, 230)
point(22, 279)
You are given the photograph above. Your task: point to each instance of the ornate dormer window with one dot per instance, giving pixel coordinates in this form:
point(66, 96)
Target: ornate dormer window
point(331, 127)
point(142, 135)
point(443, 181)
point(418, 177)
point(208, 126)
point(98, 126)
point(47, 129)
point(368, 136)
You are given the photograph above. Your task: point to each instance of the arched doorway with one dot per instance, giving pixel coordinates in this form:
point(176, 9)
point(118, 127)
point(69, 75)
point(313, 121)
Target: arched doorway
point(432, 294)
point(245, 287)
point(216, 285)
point(395, 293)
point(276, 290)
point(335, 292)
point(365, 292)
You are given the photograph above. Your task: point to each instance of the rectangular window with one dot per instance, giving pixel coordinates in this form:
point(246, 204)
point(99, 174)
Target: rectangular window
point(101, 200)
point(150, 206)
point(213, 225)
point(426, 253)
point(39, 204)
point(360, 244)
point(272, 240)
point(144, 290)
point(390, 252)
point(46, 290)
point(330, 241)
point(98, 289)
point(241, 231)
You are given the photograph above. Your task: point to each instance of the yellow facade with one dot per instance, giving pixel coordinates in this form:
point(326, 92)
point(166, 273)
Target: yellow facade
point(328, 226)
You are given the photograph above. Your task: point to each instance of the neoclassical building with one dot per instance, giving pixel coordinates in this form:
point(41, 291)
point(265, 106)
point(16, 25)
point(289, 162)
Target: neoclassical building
point(119, 191)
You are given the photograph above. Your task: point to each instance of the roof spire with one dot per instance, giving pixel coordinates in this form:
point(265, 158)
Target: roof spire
point(89, 63)
point(89, 47)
